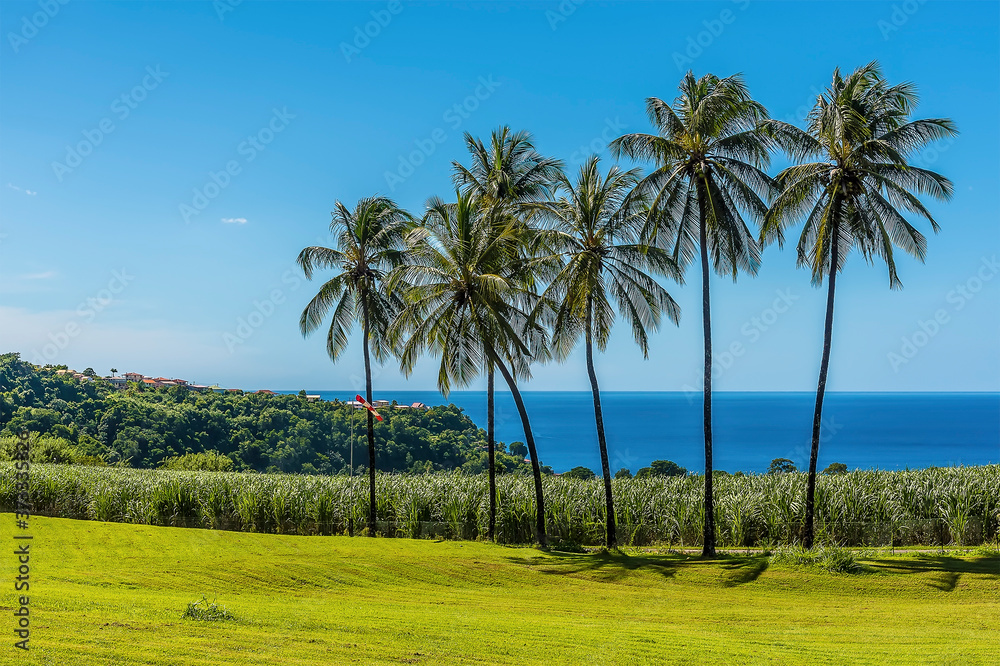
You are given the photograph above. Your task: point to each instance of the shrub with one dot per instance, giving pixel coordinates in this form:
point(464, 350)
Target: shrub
point(210, 461)
point(203, 609)
point(581, 473)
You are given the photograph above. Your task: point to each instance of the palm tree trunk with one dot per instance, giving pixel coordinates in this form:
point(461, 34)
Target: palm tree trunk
point(611, 536)
point(708, 550)
point(371, 433)
point(490, 446)
point(807, 537)
point(536, 470)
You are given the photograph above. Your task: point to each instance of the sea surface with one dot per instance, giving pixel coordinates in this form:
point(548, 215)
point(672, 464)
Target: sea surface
point(862, 430)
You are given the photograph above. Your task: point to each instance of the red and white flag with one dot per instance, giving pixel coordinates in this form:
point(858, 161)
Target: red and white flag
point(368, 407)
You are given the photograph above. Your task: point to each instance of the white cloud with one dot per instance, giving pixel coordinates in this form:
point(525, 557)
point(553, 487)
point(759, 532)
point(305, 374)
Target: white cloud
point(30, 193)
point(234, 220)
point(38, 276)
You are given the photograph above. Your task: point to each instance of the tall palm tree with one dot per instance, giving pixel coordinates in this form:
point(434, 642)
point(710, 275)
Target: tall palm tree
point(596, 241)
point(855, 196)
point(371, 241)
point(469, 301)
point(710, 151)
point(505, 175)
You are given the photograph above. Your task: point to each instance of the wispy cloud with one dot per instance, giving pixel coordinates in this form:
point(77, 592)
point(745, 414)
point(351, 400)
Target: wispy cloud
point(234, 220)
point(30, 193)
point(46, 275)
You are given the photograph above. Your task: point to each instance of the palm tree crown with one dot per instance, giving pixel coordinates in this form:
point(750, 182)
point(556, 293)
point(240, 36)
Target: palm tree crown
point(597, 240)
point(710, 149)
point(467, 294)
point(862, 184)
point(370, 242)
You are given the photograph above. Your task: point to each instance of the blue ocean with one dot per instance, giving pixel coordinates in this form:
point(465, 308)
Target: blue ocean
point(863, 430)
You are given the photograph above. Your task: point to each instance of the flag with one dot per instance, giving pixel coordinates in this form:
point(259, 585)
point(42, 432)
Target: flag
point(368, 407)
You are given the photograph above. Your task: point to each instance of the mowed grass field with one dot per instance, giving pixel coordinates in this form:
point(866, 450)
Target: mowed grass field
point(108, 593)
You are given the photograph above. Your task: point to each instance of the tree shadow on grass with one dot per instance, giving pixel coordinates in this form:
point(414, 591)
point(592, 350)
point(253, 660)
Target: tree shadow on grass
point(926, 563)
point(947, 581)
point(745, 571)
point(608, 565)
point(949, 569)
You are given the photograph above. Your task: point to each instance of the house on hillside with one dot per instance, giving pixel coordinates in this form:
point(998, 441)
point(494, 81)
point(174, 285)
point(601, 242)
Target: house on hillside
point(312, 397)
point(134, 377)
point(117, 382)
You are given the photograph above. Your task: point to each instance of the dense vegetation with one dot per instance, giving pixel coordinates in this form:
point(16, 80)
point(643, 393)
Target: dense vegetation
point(92, 423)
point(928, 507)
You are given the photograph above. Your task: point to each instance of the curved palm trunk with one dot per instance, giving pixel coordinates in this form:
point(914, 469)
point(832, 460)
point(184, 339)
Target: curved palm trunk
point(490, 446)
point(611, 536)
point(708, 550)
point(536, 471)
point(371, 434)
point(807, 537)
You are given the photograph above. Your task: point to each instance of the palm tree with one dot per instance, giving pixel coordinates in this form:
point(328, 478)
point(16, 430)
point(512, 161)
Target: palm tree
point(504, 176)
point(469, 301)
point(370, 243)
point(710, 151)
point(855, 195)
point(597, 243)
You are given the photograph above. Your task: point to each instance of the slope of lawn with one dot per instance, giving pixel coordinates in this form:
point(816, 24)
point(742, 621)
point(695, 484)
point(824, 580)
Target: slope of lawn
point(106, 593)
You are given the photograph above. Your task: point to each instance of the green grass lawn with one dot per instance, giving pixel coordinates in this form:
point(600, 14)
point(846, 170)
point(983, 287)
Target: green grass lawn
point(106, 593)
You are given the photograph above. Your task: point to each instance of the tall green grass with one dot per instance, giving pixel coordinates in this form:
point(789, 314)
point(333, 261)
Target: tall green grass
point(959, 505)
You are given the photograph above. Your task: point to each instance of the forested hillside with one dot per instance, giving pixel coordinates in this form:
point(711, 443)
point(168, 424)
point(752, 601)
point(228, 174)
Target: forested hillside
point(90, 422)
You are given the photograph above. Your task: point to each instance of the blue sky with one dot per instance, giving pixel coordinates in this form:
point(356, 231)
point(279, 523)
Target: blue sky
point(161, 165)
